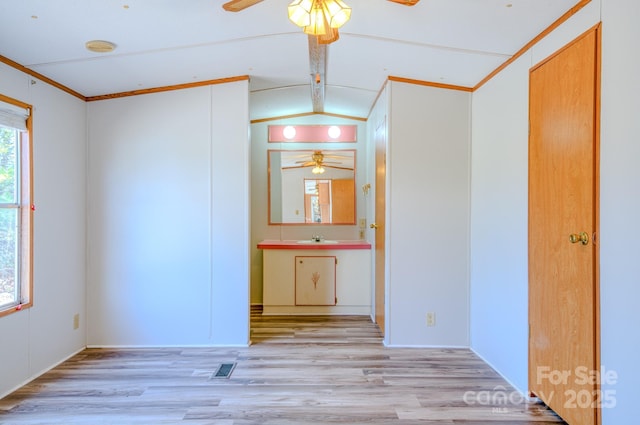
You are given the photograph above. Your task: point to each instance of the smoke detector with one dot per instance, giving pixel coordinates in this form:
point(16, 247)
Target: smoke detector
point(100, 46)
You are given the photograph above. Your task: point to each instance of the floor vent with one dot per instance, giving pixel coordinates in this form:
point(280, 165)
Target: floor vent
point(224, 370)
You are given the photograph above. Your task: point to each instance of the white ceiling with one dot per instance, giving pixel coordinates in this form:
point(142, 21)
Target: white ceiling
point(168, 42)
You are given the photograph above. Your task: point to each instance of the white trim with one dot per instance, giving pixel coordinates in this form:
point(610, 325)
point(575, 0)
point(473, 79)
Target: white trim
point(524, 393)
point(39, 374)
point(185, 347)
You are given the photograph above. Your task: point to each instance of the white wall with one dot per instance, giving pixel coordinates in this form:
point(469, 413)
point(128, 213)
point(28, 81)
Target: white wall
point(260, 229)
point(499, 205)
point(38, 338)
point(231, 213)
point(168, 218)
point(499, 211)
point(428, 215)
point(619, 205)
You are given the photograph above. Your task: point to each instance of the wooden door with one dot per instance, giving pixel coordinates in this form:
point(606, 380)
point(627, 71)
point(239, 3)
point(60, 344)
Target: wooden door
point(380, 208)
point(343, 200)
point(563, 183)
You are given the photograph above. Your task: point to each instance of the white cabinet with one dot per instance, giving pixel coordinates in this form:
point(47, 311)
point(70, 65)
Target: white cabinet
point(343, 281)
point(315, 280)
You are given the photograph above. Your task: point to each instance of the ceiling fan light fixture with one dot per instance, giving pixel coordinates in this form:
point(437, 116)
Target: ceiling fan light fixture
point(319, 24)
point(321, 18)
point(318, 169)
point(300, 12)
point(336, 12)
point(328, 38)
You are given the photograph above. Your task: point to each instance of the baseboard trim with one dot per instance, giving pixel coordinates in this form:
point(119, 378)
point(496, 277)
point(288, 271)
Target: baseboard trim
point(42, 372)
point(141, 347)
point(524, 394)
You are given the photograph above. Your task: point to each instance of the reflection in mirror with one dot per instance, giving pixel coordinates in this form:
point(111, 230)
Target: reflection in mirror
point(312, 187)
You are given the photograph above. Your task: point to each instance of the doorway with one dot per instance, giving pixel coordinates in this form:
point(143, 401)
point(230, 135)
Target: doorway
point(380, 140)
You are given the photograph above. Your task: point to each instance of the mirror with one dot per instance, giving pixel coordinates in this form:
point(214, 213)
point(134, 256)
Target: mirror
point(311, 186)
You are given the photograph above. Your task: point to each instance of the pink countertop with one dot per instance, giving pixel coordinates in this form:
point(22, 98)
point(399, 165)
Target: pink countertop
point(277, 244)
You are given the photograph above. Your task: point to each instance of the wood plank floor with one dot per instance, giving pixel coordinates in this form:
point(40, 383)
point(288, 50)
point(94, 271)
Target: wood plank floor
point(298, 370)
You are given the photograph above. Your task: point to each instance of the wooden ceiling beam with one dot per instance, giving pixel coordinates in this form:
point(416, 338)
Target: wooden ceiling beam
point(318, 71)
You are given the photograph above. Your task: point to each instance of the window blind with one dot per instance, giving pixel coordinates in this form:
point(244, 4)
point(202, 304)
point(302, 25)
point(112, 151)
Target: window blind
point(13, 116)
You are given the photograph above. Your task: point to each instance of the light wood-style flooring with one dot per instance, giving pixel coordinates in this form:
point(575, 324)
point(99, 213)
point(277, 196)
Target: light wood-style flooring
point(298, 370)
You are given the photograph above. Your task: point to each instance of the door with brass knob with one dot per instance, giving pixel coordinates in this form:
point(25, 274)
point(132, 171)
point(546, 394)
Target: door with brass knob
point(583, 238)
point(563, 182)
point(374, 226)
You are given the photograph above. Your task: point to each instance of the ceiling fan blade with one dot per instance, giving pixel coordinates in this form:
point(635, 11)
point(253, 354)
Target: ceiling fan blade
point(238, 5)
point(338, 156)
point(338, 167)
point(406, 2)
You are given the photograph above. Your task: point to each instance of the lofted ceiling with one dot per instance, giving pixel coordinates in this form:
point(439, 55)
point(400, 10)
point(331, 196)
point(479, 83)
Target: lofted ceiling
point(171, 42)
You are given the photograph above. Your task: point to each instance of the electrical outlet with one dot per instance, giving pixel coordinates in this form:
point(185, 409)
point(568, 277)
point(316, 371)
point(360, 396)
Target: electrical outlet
point(76, 321)
point(431, 318)
point(363, 223)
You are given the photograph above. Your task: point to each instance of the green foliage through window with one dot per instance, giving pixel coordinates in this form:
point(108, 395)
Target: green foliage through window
point(9, 216)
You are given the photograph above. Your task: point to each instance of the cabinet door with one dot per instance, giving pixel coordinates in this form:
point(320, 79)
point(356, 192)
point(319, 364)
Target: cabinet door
point(315, 280)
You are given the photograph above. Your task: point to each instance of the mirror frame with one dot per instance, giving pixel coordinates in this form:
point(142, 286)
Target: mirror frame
point(310, 151)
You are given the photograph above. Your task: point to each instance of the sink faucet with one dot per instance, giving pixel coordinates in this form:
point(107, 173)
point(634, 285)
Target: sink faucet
point(317, 238)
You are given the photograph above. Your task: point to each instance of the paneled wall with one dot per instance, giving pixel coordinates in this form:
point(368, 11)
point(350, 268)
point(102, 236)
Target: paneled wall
point(620, 203)
point(168, 218)
point(35, 339)
point(427, 202)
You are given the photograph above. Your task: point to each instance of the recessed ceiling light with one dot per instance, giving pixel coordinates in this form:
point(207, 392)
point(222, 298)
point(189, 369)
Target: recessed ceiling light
point(100, 46)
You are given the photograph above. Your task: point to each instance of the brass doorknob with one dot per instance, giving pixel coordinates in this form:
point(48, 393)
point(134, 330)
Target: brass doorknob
point(374, 226)
point(583, 238)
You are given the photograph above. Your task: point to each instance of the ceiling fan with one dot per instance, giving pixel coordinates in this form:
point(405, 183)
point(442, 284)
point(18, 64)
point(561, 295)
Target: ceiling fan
point(319, 18)
point(318, 162)
point(238, 5)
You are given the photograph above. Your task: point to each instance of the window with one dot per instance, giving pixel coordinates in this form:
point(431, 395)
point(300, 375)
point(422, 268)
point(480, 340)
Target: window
point(15, 206)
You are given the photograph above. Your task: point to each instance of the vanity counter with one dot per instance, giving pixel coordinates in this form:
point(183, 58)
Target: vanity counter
point(293, 244)
point(306, 277)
